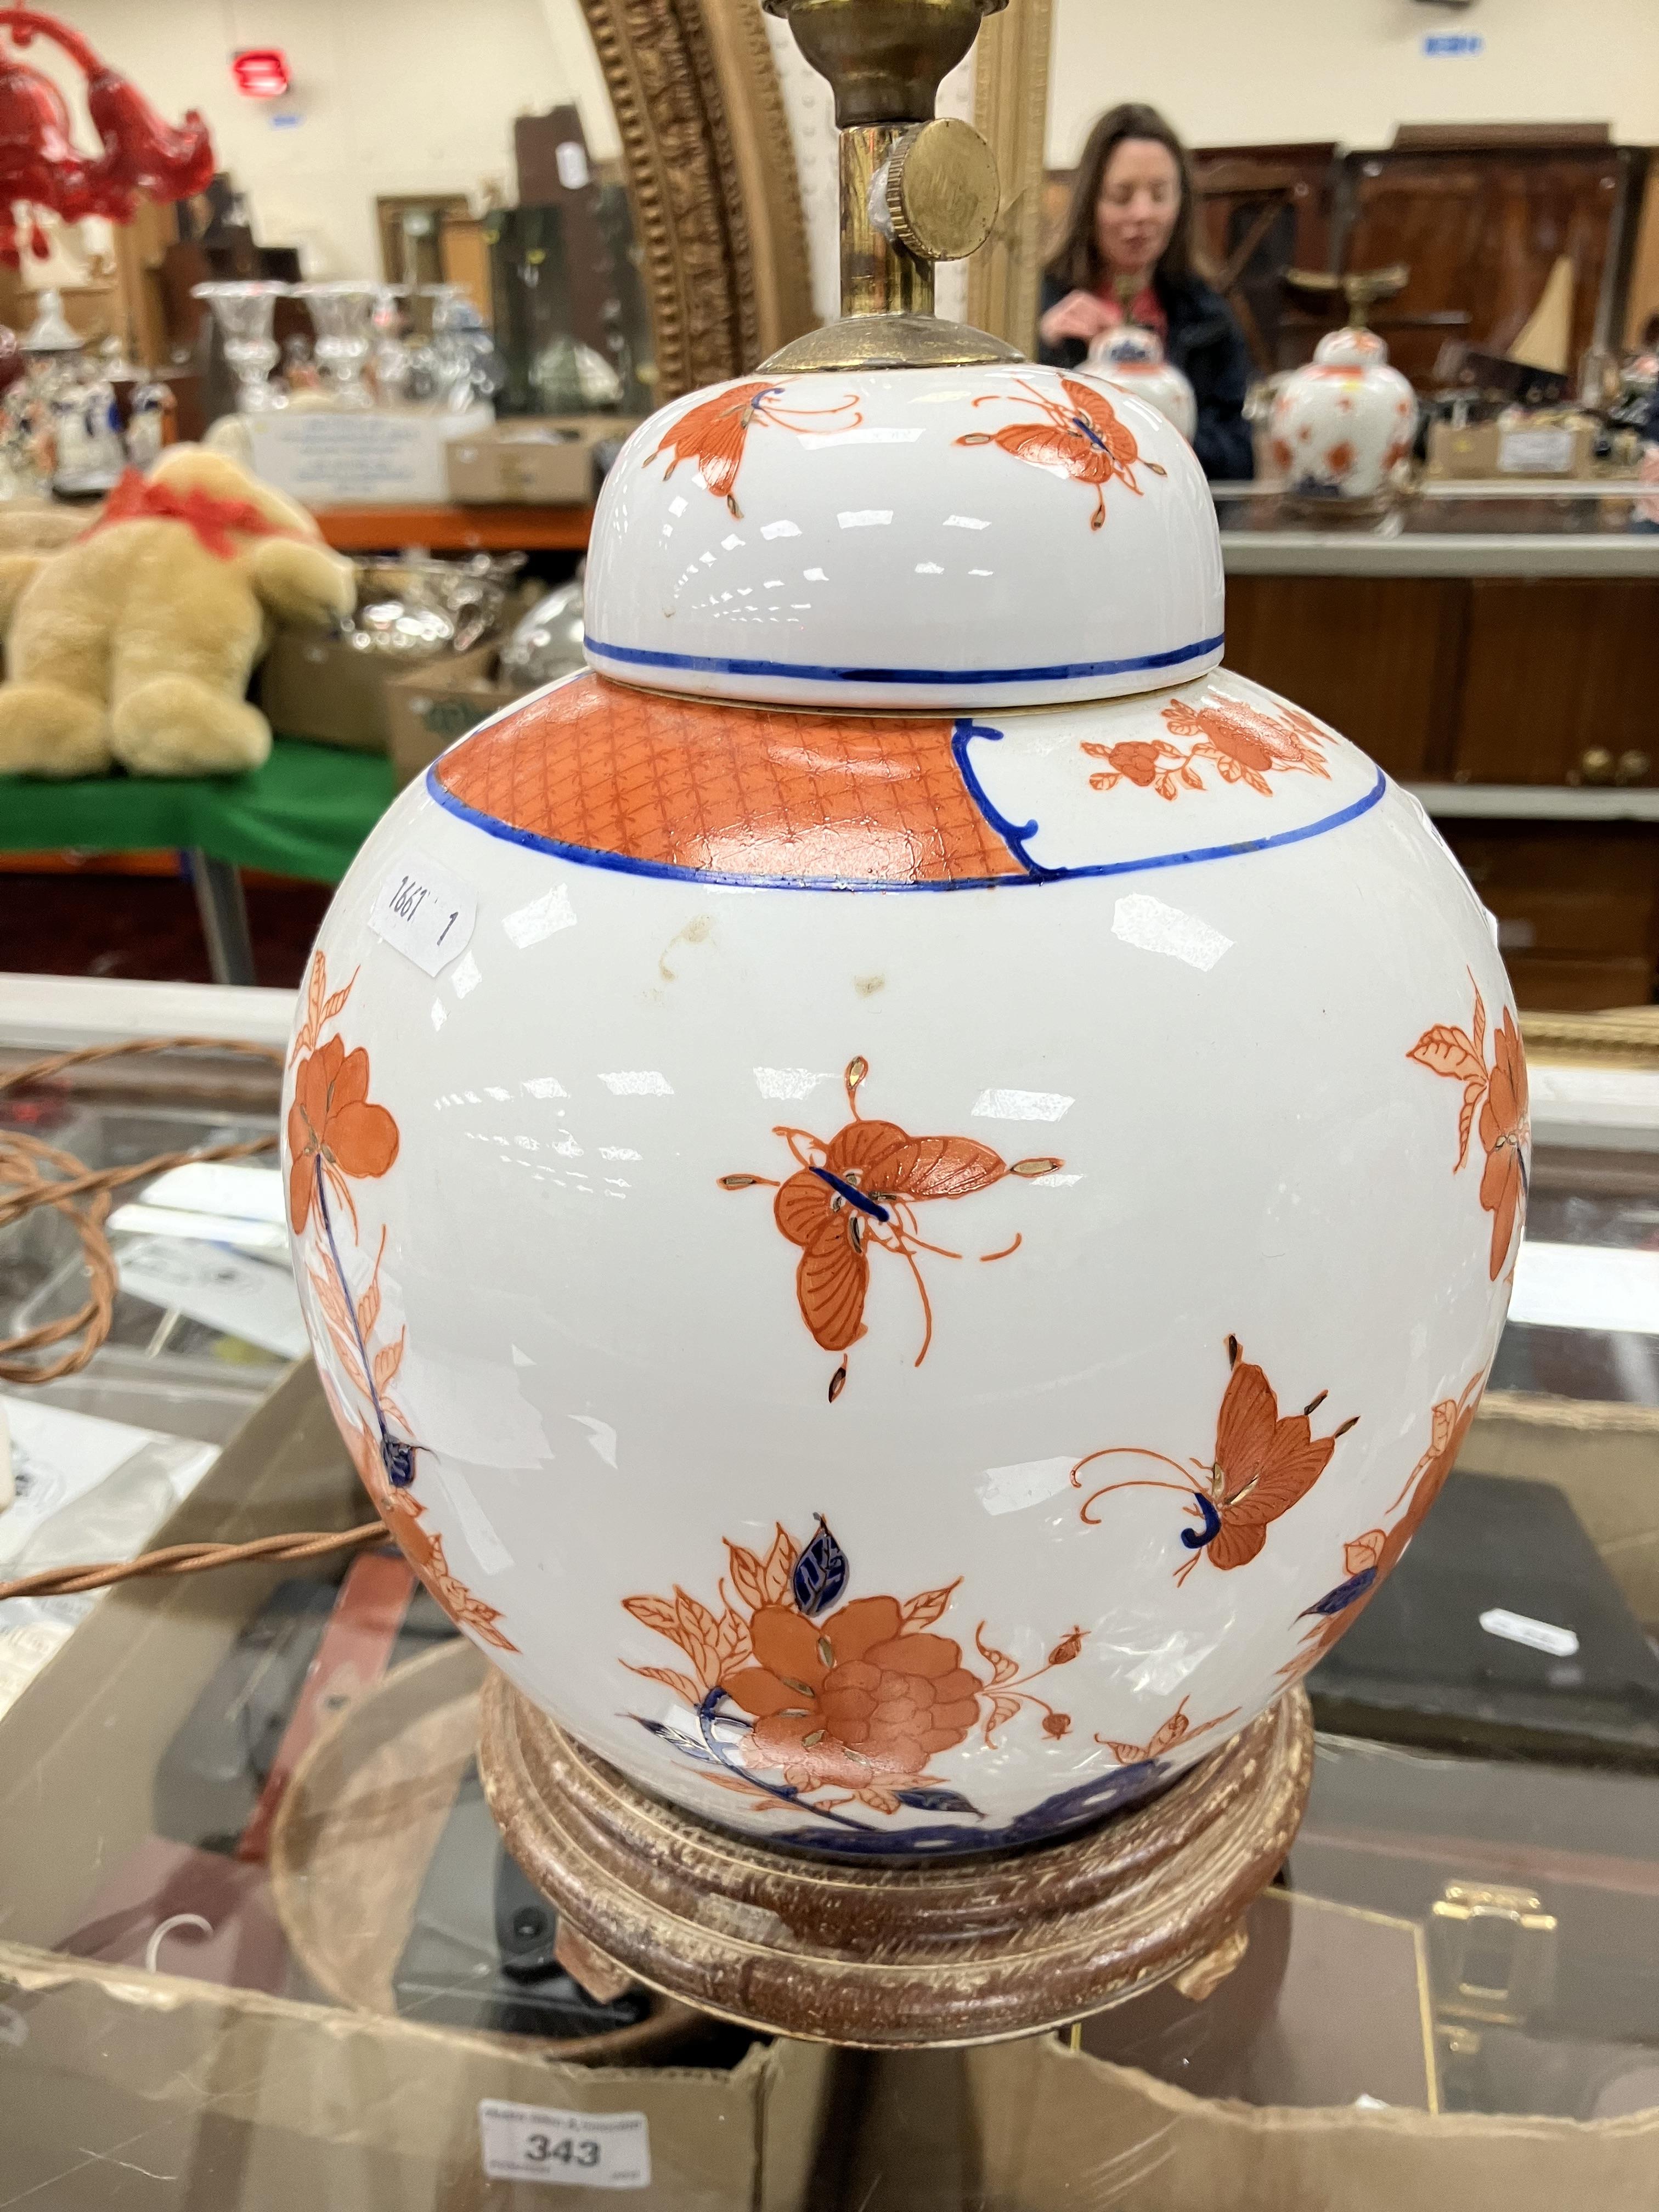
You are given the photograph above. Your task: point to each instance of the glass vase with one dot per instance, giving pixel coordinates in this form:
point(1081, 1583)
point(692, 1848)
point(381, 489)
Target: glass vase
point(243, 313)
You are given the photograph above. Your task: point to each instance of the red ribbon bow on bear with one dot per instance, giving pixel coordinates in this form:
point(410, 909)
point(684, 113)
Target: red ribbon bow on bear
point(213, 519)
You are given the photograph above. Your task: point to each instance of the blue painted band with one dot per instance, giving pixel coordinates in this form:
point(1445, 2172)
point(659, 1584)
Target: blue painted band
point(1013, 834)
point(624, 864)
point(1066, 672)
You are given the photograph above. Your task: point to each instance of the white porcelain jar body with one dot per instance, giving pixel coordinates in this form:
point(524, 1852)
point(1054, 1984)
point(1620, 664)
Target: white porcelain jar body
point(1341, 425)
point(820, 1231)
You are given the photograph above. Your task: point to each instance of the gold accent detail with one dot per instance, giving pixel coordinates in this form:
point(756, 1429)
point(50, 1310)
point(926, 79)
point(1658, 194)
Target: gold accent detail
point(891, 342)
point(1362, 288)
point(711, 177)
point(1010, 106)
point(941, 190)
point(883, 58)
point(1480, 1931)
point(1206, 1974)
point(1595, 765)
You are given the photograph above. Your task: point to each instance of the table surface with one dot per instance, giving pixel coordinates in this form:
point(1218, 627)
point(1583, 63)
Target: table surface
point(304, 813)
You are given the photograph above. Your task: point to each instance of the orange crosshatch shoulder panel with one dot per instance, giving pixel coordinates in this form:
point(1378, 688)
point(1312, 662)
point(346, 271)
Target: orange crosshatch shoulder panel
point(701, 787)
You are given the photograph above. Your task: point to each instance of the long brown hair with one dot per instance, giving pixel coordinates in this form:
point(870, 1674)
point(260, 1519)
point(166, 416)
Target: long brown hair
point(1076, 259)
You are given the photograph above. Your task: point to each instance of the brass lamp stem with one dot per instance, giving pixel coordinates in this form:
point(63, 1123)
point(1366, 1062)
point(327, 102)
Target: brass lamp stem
point(878, 275)
point(915, 188)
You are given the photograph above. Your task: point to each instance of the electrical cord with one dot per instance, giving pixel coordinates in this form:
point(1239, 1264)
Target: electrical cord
point(32, 1174)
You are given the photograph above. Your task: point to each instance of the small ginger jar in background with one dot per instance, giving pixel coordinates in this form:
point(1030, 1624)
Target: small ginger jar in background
point(1132, 358)
point(1342, 425)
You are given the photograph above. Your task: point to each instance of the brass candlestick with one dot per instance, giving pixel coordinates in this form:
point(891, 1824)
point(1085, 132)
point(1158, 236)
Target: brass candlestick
point(915, 188)
point(1361, 287)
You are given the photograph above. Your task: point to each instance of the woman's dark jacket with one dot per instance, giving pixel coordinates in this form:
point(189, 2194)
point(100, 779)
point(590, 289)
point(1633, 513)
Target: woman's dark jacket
point(1206, 345)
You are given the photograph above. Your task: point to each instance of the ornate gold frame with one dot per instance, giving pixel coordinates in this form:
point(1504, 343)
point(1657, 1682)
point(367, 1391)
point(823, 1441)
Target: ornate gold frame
point(1011, 110)
point(711, 177)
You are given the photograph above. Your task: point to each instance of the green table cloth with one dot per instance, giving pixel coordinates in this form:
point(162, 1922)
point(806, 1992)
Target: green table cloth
point(304, 813)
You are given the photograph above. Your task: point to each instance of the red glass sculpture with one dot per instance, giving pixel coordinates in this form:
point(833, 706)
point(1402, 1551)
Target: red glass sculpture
point(41, 166)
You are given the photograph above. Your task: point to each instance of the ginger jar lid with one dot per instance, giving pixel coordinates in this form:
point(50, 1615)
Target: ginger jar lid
point(996, 535)
point(1129, 345)
point(1350, 348)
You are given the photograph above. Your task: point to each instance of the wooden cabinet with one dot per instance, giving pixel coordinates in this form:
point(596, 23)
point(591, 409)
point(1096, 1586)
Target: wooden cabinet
point(1496, 680)
point(1490, 679)
point(1377, 662)
point(1560, 682)
point(1480, 228)
point(1577, 907)
point(1263, 209)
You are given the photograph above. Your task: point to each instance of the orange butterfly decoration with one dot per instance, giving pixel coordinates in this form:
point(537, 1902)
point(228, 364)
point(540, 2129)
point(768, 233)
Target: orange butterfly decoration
point(1263, 1464)
point(712, 436)
point(857, 1193)
point(1082, 439)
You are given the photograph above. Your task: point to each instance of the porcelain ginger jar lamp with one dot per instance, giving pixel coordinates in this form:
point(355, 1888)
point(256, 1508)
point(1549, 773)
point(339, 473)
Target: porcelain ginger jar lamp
point(1343, 423)
point(1132, 358)
point(905, 1190)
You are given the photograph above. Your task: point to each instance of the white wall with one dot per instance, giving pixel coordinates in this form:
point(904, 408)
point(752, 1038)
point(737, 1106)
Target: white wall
point(1245, 71)
point(389, 96)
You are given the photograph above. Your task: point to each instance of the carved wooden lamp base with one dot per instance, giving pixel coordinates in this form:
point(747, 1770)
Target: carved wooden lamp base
point(969, 1950)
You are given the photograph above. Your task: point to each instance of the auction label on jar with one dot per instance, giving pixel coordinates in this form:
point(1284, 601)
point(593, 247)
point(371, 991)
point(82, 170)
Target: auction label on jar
point(424, 912)
point(587, 2150)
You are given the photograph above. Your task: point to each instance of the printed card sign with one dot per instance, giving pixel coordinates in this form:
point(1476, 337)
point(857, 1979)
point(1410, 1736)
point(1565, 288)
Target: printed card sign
point(1546, 452)
point(424, 912)
point(584, 2150)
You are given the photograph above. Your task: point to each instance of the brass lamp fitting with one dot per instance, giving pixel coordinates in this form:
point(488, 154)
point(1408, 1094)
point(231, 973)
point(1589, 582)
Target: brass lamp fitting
point(915, 189)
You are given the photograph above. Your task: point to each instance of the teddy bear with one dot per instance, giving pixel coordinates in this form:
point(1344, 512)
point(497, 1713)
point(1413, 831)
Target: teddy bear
point(134, 644)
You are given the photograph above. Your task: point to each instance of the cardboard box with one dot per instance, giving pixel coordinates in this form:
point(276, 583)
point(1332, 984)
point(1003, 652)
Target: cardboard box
point(430, 708)
point(1548, 450)
point(1042, 2116)
point(533, 461)
point(380, 456)
point(226, 2095)
point(331, 692)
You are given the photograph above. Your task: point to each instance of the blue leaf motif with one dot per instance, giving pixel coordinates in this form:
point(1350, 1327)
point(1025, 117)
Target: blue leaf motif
point(1212, 1520)
point(820, 1575)
point(937, 1801)
point(1345, 1594)
point(678, 1737)
point(397, 1457)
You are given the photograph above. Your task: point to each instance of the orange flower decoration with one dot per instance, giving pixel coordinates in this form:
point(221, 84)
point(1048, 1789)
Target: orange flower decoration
point(1498, 1095)
point(854, 1700)
point(332, 1121)
point(1148, 762)
point(1368, 1559)
point(1247, 744)
point(1504, 1129)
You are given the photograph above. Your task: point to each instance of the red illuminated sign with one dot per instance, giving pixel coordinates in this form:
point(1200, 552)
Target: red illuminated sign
point(261, 72)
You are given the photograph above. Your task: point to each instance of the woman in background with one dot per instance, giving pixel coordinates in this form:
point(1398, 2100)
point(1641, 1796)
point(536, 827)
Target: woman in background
point(1128, 254)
